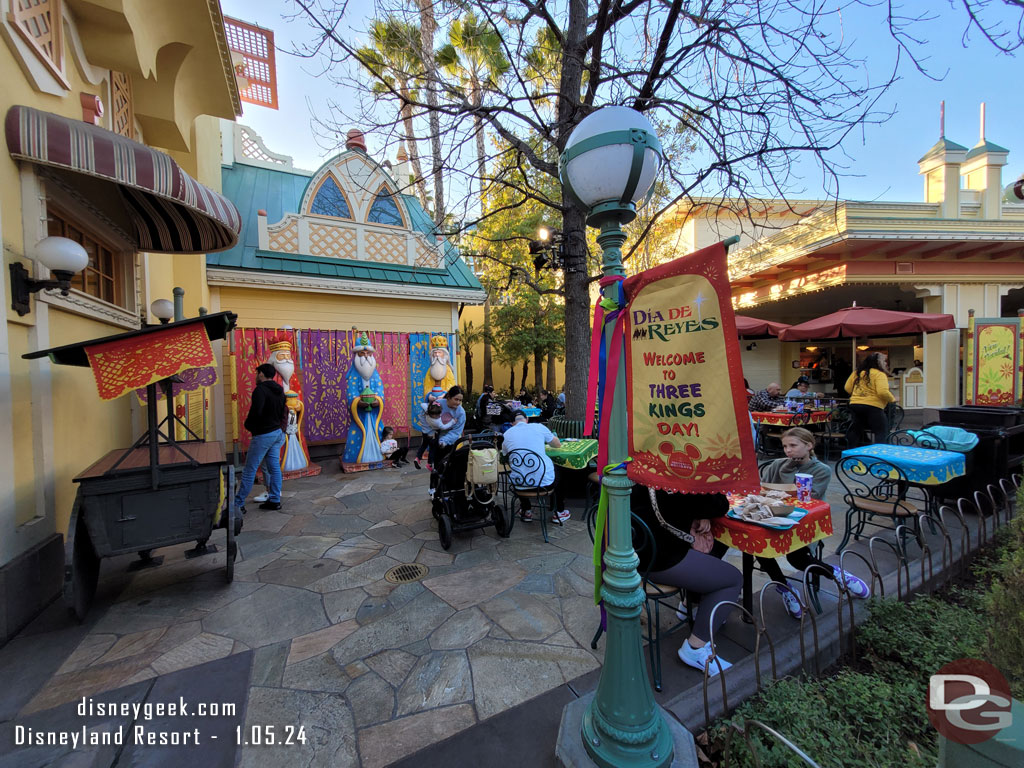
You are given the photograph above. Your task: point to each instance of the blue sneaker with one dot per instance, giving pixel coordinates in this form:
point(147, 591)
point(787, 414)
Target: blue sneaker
point(793, 607)
point(857, 586)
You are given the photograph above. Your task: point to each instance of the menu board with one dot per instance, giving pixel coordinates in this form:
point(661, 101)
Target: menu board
point(689, 429)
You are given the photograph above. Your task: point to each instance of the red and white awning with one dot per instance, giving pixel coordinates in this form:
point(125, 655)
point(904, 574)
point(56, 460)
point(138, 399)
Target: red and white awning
point(171, 211)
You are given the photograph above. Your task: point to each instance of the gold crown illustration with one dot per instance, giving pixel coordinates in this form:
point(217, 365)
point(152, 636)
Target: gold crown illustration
point(439, 342)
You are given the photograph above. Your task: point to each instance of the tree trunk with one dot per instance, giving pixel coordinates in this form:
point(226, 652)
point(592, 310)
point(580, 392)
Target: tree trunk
point(577, 297)
point(427, 27)
point(469, 372)
point(538, 371)
point(526, 372)
point(552, 383)
point(488, 361)
point(414, 155)
point(512, 381)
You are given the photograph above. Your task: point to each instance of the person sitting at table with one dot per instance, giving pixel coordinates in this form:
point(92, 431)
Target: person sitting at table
point(800, 389)
point(798, 445)
point(768, 399)
point(482, 402)
point(869, 394)
point(535, 437)
point(547, 405)
point(524, 398)
point(670, 516)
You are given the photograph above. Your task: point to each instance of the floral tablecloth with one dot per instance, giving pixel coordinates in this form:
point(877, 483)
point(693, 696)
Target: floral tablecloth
point(754, 539)
point(574, 455)
point(789, 419)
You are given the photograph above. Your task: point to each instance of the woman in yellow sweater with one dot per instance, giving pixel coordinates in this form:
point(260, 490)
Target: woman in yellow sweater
point(869, 394)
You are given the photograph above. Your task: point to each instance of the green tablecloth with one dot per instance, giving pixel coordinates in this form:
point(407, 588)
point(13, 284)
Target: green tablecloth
point(575, 455)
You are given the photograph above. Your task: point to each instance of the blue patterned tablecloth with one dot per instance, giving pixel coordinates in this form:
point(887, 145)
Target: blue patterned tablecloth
point(531, 412)
point(923, 466)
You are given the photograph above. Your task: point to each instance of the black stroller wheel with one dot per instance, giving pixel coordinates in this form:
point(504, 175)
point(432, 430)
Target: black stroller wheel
point(444, 531)
point(503, 521)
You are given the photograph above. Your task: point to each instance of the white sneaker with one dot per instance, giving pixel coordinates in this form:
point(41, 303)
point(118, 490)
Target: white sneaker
point(857, 586)
point(793, 607)
point(265, 496)
point(681, 611)
point(697, 658)
point(560, 517)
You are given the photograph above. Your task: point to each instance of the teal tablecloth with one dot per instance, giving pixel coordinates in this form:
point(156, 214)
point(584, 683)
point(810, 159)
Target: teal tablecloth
point(922, 466)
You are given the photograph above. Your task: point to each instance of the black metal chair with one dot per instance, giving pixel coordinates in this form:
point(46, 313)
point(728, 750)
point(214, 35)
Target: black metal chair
point(921, 439)
point(525, 474)
point(894, 416)
point(657, 594)
point(833, 438)
point(875, 488)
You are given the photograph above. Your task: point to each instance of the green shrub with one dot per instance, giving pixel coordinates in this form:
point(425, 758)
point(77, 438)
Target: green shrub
point(851, 720)
point(1004, 610)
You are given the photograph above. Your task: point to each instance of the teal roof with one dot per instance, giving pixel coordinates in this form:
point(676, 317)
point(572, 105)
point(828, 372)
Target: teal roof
point(942, 146)
point(279, 192)
point(985, 146)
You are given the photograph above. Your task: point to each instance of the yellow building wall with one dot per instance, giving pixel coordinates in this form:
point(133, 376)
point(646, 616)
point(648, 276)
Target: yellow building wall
point(21, 407)
point(258, 308)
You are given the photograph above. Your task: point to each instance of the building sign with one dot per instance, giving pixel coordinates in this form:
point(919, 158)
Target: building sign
point(994, 361)
point(689, 430)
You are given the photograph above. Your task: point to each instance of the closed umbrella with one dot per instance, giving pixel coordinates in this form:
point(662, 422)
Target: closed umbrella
point(754, 327)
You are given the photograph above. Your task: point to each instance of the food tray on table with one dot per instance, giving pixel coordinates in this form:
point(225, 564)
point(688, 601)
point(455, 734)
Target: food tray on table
point(781, 522)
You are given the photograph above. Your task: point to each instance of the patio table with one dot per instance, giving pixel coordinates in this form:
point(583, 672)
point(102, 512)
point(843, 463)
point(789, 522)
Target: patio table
point(786, 419)
point(576, 454)
point(757, 540)
point(922, 466)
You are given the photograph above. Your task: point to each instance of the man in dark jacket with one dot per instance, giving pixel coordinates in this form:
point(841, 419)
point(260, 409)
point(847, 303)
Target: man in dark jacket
point(267, 416)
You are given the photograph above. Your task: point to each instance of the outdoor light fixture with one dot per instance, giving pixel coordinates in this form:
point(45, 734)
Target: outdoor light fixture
point(548, 249)
point(862, 347)
point(811, 349)
point(63, 257)
point(608, 168)
point(162, 310)
point(751, 346)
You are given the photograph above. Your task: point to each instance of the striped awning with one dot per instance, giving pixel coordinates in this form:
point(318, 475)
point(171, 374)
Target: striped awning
point(171, 212)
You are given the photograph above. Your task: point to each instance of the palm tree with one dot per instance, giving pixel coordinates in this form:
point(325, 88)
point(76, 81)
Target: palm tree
point(474, 56)
point(468, 336)
point(393, 60)
point(428, 26)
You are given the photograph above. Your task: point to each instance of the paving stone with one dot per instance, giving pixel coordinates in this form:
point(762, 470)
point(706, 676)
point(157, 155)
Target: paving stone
point(412, 622)
point(199, 650)
point(324, 501)
point(336, 524)
point(392, 665)
point(417, 648)
point(359, 485)
point(297, 525)
point(123, 619)
point(475, 557)
point(581, 617)
point(314, 643)
point(508, 673)
point(248, 568)
point(85, 682)
point(561, 638)
point(388, 534)
point(380, 588)
point(372, 609)
point(568, 583)
point(406, 552)
point(356, 502)
point(439, 679)
point(522, 616)
point(270, 614)
point(403, 593)
point(258, 547)
point(179, 600)
point(265, 520)
point(538, 583)
point(462, 589)
point(356, 669)
point(349, 555)
point(130, 645)
point(371, 698)
point(342, 605)
point(356, 576)
point(177, 634)
point(578, 543)
point(381, 745)
point(461, 630)
point(319, 673)
point(327, 722)
point(268, 664)
point(549, 564)
point(310, 546)
point(430, 558)
point(298, 574)
point(90, 649)
point(375, 513)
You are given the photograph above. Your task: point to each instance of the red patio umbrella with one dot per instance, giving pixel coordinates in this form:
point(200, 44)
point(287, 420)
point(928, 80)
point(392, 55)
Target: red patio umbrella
point(754, 326)
point(866, 321)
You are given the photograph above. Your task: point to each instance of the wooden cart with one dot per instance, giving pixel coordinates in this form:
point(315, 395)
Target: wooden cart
point(158, 492)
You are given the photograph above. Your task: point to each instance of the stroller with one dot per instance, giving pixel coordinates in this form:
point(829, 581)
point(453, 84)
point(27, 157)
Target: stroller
point(460, 504)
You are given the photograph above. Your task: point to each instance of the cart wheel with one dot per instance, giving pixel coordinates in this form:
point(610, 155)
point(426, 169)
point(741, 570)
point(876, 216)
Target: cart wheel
point(503, 521)
point(82, 565)
point(444, 530)
point(232, 528)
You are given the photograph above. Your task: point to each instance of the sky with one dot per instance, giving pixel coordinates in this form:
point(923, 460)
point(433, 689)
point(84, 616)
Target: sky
point(882, 159)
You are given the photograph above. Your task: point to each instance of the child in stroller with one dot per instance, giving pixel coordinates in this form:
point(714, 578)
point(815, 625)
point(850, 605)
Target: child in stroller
point(460, 501)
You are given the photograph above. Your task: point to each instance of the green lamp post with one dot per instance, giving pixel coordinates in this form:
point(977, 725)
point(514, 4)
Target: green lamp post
point(608, 167)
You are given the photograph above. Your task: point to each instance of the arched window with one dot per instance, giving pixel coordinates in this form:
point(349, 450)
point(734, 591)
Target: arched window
point(385, 210)
point(330, 201)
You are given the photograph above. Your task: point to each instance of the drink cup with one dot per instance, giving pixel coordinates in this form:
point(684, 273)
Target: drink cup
point(803, 487)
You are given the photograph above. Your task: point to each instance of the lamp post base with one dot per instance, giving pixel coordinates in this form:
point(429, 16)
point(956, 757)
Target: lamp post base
point(571, 752)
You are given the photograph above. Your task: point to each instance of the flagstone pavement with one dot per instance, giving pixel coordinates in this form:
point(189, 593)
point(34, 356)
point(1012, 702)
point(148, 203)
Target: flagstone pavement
point(373, 670)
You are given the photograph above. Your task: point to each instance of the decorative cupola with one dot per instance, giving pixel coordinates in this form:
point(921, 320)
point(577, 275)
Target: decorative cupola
point(983, 171)
point(940, 167)
point(402, 167)
point(355, 140)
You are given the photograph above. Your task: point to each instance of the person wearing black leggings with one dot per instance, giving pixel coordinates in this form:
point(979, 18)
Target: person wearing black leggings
point(670, 516)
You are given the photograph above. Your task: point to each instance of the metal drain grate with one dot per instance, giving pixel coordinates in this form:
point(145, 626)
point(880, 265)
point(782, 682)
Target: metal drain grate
point(406, 573)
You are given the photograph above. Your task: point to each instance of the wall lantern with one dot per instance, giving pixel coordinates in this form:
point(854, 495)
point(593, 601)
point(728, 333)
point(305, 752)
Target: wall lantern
point(63, 257)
